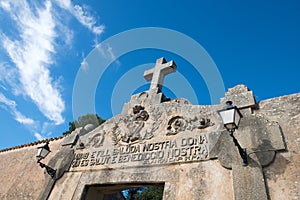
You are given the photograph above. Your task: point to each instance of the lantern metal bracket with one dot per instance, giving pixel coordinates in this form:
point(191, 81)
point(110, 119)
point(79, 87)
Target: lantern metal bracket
point(231, 116)
point(42, 152)
point(49, 170)
point(242, 151)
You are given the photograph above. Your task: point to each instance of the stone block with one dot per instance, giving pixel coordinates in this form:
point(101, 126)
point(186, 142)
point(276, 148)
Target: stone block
point(248, 182)
point(151, 97)
point(65, 187)
point(241, 97)
point(70, 139)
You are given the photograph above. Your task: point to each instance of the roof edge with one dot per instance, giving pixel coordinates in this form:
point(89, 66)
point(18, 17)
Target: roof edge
point(31, 144)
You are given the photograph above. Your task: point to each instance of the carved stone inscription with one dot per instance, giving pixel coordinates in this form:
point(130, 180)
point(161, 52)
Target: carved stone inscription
point(186, 149)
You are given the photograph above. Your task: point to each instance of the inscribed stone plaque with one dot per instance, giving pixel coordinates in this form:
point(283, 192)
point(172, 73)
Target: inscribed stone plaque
point(147, 136)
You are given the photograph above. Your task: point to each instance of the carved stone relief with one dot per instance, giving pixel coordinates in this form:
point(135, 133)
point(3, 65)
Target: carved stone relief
point(181, 101)
point(204, 123)
point(144, 122)
point(179, 123)
point(175, 125)
point(139, 113)
point(129, 128)
point(96, 140)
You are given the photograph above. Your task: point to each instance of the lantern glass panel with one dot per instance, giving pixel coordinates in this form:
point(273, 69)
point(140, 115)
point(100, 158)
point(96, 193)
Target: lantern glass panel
point(237, 118)
point(41, 153)
point(227, 116)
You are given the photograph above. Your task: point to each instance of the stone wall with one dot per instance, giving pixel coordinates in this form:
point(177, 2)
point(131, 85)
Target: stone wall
point(21, 176)
point(283, 175)
point(205, 180)
point(215, 174)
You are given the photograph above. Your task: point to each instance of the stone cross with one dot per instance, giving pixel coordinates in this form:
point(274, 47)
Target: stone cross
point(158, 73)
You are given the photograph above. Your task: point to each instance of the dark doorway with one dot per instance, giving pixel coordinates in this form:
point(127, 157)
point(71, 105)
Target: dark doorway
point(129, 191)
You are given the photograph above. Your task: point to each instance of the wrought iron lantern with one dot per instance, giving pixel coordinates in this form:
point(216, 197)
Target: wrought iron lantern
point(231, 117)
point(42, 152)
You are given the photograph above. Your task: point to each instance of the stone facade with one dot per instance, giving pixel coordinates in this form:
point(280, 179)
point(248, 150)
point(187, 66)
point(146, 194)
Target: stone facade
point(20, 175)
point(169, 142)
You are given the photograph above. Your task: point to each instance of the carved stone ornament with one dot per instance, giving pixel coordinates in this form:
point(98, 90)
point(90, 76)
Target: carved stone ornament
point(204, 123)
point(96, 140)
point(139, 113)
point(178, 123)
point(129, 129)
point(175, 125)
point(181, 101)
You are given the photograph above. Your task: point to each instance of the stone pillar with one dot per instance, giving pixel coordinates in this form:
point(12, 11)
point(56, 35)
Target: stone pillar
point(248, 182)
point(261, 137)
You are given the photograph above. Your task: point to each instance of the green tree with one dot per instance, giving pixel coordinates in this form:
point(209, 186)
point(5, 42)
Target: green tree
point(84, 120)
point(145, 193)
point(151, 193)
point(131, 193)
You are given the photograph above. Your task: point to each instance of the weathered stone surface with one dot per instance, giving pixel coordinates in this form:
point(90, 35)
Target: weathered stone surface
point(248, 182)
point(157, 74)
point(187, 181)
point(70, 139)
point(261, 137)
point(225, 150)
point(165, 133)
point(283, 176)
point(154, 95)
point(65, 187)
point(61, 162)
point(149, 135)
point(145, 98)
point(241, 97)
point(21, 176)
point(181, 146)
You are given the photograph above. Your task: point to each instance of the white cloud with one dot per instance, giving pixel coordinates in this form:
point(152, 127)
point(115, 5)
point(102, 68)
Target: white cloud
point(12, 108)
point(82, 14)
point(38, 136)
point(38, 31)
point(84, 65)
point(8, 77)
point(86, 19)
point(66, 4)
point(46, 127)
point(7, 101)
point(32, 56)
point(22, 119)
point(67, 33)
point(111, 53)
point(107, 52)
point(5, 5)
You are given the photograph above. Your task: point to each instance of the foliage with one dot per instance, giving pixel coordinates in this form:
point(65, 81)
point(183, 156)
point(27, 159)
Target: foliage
point(145, 193)
point(84, 120)
point(131, 193)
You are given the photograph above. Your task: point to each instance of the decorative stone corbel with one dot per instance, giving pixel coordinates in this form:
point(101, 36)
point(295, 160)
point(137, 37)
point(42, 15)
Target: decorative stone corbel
point(61, 162)
point(261, 138)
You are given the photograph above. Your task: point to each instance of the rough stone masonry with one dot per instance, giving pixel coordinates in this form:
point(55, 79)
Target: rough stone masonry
point(169, 142)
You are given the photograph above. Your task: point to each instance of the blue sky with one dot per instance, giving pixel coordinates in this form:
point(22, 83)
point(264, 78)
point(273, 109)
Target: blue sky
point(47, 46)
